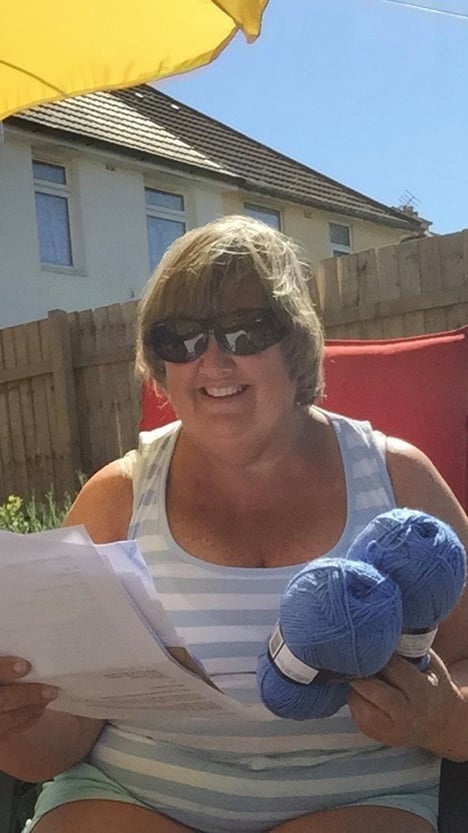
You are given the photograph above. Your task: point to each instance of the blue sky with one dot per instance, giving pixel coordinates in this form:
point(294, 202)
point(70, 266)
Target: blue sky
point(372, 93)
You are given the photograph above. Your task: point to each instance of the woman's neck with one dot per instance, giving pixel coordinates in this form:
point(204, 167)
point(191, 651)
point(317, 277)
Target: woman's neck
point(255, 461)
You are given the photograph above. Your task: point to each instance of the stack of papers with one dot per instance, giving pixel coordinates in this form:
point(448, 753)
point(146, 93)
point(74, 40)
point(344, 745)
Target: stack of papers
point(89, 620)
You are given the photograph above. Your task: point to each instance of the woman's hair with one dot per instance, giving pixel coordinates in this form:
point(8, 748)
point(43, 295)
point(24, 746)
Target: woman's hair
point(222, 260)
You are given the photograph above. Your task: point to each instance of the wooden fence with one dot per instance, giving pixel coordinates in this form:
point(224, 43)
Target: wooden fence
point(69, 400)
point(419, 286)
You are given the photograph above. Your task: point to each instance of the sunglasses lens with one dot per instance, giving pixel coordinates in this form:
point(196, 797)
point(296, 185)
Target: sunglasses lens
point(178, 341)
point(251, 333)
point(240, 333)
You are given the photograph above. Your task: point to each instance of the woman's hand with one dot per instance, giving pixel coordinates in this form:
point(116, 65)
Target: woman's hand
point(406, 707)
point(21, 704)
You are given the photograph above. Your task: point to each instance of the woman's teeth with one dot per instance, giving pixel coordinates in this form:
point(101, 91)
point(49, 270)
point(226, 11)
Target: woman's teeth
point(220, 392)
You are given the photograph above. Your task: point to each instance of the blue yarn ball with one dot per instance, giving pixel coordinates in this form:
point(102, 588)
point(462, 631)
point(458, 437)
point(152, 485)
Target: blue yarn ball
point(425, 557)
point(296, 701)
point(340, 616)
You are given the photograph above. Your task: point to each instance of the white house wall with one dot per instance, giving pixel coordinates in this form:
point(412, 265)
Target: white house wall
point(109, 226)
point(20, 287)
point(310, 226)
point(109, 231)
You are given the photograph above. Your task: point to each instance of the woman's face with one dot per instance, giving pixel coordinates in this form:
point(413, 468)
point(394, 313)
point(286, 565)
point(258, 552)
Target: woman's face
point(220, 395)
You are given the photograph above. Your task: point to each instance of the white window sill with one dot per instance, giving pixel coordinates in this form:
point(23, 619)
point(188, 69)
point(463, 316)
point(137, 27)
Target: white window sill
point(63, 270)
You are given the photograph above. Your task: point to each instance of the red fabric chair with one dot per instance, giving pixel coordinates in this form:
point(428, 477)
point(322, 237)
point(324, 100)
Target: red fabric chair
point(413, 388)
point(156, 410)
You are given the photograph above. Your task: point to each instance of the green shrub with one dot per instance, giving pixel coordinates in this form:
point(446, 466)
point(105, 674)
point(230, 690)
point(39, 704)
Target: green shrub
point(35, 515)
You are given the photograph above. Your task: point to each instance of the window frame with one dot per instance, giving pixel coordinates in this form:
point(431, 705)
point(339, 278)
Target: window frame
point(54, 189)
point(69, 191)
point(339, 249)
point(164, 213)
point(264, 209)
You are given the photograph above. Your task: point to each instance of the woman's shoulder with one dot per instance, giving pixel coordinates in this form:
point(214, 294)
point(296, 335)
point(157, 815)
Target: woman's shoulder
point(412, 472)
point(322, 414)
point(151, 445)
point(104, 504)
point(354, 435)
point(418, 484)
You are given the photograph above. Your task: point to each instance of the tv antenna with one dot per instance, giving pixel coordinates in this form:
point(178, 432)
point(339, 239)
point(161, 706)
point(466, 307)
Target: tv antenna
point(408, 200)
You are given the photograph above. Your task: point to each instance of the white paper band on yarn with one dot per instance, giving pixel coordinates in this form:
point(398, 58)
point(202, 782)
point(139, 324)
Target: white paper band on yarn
point(415, 645)
point(284, 659)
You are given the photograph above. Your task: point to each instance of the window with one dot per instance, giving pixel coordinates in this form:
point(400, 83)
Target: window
point(266, 215)
point(340, 239)
point(52, 196)
point(165, 221)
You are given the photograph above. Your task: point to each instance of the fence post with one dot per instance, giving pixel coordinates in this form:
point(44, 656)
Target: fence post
point(67, 438)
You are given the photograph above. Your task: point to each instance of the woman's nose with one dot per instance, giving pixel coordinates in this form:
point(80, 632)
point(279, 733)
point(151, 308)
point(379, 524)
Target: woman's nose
point(214, 355)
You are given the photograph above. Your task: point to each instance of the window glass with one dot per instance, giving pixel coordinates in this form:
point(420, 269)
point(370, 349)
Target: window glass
point(340, 235)
point(49, 173)
point(161, 233)
point(53, 229)
point(162, 199)
point(165, 221)
point(266, 215)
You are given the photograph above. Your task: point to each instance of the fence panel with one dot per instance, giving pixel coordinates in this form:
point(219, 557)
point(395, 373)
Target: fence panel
point(105, 383)
point(69, 401)
point(411, 288)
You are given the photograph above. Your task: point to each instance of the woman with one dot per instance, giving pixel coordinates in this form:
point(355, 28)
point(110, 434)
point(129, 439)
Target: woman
point(227, 505)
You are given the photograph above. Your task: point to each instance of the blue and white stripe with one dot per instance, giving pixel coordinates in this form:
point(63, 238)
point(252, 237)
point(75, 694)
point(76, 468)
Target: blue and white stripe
point(218, 776)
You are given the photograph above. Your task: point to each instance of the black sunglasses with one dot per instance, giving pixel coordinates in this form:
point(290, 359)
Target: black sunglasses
point(242, 333)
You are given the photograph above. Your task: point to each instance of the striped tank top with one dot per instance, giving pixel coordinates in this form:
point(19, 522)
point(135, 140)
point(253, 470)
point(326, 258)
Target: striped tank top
point(220, 776)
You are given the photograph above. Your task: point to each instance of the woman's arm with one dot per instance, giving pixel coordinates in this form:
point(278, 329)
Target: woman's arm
point(418, 485)
point(405, 707)
point(36, 743)
point(47, 743)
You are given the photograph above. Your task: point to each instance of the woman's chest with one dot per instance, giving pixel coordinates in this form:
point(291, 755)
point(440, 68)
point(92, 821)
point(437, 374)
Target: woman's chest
point(267, 531)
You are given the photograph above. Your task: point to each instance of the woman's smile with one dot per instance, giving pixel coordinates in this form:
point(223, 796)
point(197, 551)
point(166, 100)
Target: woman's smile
point(224, 392)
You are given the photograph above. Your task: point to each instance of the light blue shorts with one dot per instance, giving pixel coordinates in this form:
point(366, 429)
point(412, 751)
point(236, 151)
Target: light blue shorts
point(85, 781)
point(81, 782)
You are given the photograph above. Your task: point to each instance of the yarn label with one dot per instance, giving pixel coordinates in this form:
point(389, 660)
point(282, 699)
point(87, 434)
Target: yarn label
point(286, 662)
point(414, 645)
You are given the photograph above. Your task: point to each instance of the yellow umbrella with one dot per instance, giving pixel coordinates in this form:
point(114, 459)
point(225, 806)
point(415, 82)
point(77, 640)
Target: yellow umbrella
point(58, 48)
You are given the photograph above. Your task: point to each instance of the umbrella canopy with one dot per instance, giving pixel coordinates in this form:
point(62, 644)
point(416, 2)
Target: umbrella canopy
point(58, 48)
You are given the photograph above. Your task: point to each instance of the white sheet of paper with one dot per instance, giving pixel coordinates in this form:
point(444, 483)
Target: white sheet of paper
point(127, 562)
point(64, 607)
